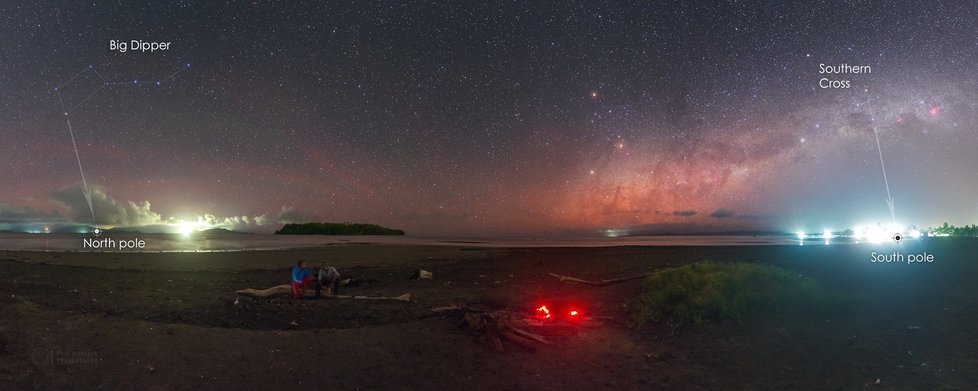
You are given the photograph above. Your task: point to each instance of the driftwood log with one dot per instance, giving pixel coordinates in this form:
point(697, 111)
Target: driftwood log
point(287, 290)
point(273, 291)
point(565, 278)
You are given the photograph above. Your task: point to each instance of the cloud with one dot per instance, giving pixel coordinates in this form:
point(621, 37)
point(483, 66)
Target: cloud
point(137, 215)
point(108, 211)
point(684, 213)
point(754, 217)
point(723, 214)
point(234, 223)
point(289, 214)
point(13, 213)
point(285, 215)
point(729, 214)
point(672, 228)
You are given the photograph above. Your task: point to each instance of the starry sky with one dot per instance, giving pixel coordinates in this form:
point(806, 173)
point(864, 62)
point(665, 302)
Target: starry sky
point(489, 118)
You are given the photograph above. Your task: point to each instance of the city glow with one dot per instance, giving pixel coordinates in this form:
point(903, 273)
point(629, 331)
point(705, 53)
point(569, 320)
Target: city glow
point(868, 233)
point(186, 228)
point(878, 233)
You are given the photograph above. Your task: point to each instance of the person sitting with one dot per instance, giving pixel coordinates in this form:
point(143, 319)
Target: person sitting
point(328, 277)
point(301, 279)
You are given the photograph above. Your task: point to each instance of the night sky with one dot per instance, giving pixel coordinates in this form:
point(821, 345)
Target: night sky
point(506, 118)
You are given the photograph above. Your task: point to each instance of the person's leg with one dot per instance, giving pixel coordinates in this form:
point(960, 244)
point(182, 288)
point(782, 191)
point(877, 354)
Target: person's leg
point(298, 287)
point(332, 280)
point(308, 282)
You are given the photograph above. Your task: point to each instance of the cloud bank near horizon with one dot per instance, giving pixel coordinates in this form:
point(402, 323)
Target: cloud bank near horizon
point(109, 212)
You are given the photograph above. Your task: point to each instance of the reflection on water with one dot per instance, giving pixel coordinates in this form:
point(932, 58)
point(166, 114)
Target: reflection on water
point(246, 242)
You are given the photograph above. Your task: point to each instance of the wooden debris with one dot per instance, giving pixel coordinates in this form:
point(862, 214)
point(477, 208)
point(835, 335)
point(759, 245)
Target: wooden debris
point(446, 308)
point(405, 297)
point(273, 291)
point(532, 336)
point(495, 341)
point(512, 336)
point(565, 278)
point(287, 290)
point(495, 326)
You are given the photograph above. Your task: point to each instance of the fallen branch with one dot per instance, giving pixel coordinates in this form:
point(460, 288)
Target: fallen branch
point(565, 278)
point(405, 297)
point(495, 326)
point(273, 291)
point(464, 308)
point(529, 335)
point(287, 290)
point(447, 308)
point(512, 336)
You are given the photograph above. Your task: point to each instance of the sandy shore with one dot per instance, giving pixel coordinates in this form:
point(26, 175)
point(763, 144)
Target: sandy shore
point(169, 321)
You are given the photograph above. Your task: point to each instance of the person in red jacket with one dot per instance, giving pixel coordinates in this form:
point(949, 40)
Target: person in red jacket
point(301, 279)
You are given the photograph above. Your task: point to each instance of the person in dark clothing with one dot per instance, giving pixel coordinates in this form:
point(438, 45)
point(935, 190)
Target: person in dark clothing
point(301, 279)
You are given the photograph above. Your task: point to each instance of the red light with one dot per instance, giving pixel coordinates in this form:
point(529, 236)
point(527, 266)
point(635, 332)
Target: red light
point(543, 312)
point(574, 314)
point(547, 312)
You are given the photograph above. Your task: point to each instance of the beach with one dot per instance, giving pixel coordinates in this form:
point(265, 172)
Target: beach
point(172, 321)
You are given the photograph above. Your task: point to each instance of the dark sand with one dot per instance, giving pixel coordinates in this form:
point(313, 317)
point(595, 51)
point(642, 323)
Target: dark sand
point(169, 321)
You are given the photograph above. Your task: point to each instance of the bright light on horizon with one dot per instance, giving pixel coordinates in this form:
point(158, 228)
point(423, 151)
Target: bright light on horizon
point(187, 228)
point(868, 233)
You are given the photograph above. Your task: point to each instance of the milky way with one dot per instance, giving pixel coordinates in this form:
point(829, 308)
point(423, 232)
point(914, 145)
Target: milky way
point(486, 118)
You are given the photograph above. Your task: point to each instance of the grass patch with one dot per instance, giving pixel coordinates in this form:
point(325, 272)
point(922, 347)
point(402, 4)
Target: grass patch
point(709, 292)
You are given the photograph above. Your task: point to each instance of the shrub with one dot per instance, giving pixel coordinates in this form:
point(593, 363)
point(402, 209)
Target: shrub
point(709, 292)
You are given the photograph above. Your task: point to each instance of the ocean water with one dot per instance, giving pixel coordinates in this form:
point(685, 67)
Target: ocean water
point(253, 242)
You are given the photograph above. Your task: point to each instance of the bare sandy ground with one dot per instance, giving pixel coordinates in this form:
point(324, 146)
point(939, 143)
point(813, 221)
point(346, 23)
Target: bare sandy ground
point(172, 321)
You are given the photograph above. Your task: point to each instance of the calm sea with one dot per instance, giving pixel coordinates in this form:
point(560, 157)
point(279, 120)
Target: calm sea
point(247, 242)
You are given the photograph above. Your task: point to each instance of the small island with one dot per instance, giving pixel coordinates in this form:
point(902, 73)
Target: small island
point(336, 229)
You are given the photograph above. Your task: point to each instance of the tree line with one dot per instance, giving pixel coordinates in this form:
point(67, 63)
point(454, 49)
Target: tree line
point(950, 230)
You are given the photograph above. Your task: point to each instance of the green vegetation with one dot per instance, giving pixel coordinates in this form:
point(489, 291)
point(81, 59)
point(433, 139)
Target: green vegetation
point(709, 292)
point(950, 230)
point(336, 229)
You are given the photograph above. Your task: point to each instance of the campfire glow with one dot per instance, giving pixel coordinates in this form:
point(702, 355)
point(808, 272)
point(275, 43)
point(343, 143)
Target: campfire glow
point(549, 312)
point(543, 312)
